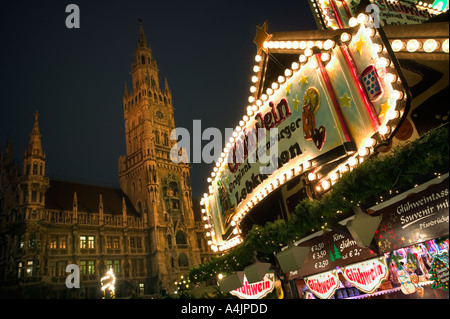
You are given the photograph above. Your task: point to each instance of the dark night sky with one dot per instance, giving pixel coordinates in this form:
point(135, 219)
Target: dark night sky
point(75, 77)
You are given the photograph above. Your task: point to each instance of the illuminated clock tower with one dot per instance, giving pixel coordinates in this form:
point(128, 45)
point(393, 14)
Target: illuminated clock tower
point(159, 189)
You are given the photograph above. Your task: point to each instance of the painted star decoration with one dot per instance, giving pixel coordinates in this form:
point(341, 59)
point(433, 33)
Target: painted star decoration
point(384, 108)
point(303, 80)
point(345, 100)
point(288, 88)
point(296, 103)
point(359, 44)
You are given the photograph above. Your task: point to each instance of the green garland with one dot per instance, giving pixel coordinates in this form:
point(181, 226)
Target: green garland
point(374, 176)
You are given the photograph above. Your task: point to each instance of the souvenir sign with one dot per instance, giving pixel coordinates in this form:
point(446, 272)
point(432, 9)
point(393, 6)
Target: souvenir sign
point(337, 14)
point(257, 290)
point(337, 102)
point(323, 285)
point(368, 275)
point(417, 218)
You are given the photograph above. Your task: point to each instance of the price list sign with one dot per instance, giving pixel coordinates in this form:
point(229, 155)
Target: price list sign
point(330, 251)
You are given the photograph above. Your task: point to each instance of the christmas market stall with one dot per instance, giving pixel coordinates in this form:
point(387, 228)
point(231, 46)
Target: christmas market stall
point(335, 182)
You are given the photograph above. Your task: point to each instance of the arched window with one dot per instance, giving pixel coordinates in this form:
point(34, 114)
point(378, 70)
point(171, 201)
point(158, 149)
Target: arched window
point(183, 260)
point(166, 139)
point(142, 59)
point(139, 207)
point(169, 241)
point(181, 238)
point(157, 137)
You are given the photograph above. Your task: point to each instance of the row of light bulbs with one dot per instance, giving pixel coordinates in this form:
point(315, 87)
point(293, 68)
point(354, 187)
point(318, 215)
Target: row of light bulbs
point(323, 5)
point(415, 45)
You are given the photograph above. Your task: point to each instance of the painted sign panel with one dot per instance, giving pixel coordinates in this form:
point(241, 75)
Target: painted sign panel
point(368, 275)
point(328, 106)
point(417, 218)
point(323, 285)
point(336, 14)
point(257, 290)
point(330, 251)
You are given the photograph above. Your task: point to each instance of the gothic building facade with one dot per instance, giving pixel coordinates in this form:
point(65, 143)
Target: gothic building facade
point(147, 231)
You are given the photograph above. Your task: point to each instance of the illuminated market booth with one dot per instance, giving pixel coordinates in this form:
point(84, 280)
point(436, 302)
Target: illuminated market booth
point(335, 182)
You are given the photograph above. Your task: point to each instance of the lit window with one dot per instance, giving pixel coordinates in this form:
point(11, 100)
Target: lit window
point(83, 242)
point(20, 270)
point(29, 268)
point(53, 242)
point(62, 242)
point(83, 268)
point(116, 242)
point(91, 242)
point(91, 267)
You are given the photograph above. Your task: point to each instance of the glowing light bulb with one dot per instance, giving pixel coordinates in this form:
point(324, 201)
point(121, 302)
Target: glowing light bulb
point(334, 176)
point(313, 63)
point(254, 79)
point(391, 114)
point(445, 46)
point(312, 176)
point(390, 78)
point(397, 95)
point(363, 151)
point(326, 185)
point(369, 142)
point(328, 45)
point(430, 45)
point(362, 18)
point(325, 57)
point(413, 45)
point(352, 161)
point(383, 129)
point(345, 37)
point(383, 63)
point(397, 45)
point(352, 22)
point(307, 164)
point(258, 57)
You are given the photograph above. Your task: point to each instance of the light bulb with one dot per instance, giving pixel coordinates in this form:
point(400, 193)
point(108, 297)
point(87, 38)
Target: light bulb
point(397, 45)
point(430, 45)
point(413, 45)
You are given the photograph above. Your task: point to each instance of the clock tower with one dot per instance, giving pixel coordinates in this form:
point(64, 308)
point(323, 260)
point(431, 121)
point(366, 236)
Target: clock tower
point(159, 189)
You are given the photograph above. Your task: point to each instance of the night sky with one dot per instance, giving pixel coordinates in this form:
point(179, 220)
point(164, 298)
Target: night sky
point(75, 77)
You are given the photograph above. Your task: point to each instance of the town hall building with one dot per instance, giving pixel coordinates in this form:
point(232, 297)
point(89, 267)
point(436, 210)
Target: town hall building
point(148, 231)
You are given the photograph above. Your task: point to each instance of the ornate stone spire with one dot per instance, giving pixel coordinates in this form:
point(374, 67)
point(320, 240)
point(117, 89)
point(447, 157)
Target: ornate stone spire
point(35, 146)
point(142, 40)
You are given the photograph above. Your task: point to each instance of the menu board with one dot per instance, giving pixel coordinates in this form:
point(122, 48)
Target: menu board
point(417, 218)
point(330, 251)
